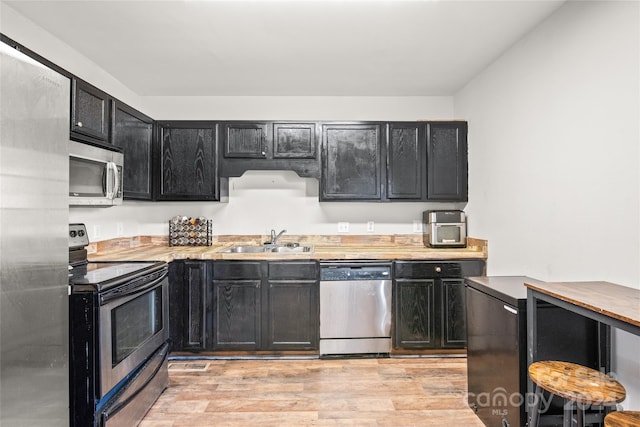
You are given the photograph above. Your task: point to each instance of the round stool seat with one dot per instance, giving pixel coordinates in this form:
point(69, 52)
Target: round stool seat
point(577, 383)
point(622, 419)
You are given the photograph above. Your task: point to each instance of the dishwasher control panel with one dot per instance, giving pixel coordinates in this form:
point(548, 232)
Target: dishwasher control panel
point(355, 272)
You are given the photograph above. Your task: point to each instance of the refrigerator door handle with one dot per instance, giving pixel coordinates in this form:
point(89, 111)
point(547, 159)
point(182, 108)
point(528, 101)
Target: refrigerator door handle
point(509, 309)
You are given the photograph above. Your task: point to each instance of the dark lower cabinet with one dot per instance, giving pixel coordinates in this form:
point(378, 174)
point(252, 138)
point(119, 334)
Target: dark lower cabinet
point(292, 309)
point(133, 132)
point(187, 305)
point(429, 304)
point(187, 162)
point(265, 306)
point(236, 305)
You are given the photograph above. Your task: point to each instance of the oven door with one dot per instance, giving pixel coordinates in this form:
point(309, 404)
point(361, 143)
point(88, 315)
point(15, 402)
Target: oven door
point(133, 325)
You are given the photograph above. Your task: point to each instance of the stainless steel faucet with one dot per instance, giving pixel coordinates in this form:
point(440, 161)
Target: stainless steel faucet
point(274, 237)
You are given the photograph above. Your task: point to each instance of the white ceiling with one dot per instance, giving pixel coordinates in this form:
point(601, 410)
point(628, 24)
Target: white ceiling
point(326, 48)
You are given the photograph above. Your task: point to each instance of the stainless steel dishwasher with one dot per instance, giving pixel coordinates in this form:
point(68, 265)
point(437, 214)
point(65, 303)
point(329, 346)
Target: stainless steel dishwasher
point(355, 308)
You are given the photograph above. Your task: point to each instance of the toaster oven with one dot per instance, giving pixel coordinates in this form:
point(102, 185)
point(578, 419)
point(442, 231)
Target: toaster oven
point(445, 229)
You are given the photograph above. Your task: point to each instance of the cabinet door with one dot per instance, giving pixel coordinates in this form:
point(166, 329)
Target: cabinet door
point(454, 323)
point(89, 112)
point(133, 132)
point(447, 162)
point(245, 140)
point(236, 315)
point(187, 163)
point(195, 279)
point(292, 315)
point(405, 161)
point(294, 140)
point(351, 162)
point(415, 317)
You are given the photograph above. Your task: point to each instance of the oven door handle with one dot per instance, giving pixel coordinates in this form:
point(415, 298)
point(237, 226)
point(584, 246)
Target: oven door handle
point(129, 293)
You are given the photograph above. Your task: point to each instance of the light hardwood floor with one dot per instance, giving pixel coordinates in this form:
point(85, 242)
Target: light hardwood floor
point(341, 392)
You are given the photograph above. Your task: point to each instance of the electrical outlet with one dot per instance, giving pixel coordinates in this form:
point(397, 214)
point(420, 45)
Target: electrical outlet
point(370, 226)
point(343, 227)
point(119, 229)
point(96, 231)
point(417, 226)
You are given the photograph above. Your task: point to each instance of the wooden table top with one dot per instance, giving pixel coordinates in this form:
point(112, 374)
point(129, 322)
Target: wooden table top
point(616, 301)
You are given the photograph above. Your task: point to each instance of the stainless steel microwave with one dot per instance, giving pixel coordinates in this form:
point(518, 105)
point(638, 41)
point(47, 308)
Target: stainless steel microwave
point(95, 175)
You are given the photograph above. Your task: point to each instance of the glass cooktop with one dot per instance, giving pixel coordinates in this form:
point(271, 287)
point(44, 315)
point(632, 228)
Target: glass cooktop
point(101, 274)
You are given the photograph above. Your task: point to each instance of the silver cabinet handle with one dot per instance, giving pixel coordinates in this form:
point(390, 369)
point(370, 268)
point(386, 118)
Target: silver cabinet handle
point(509, 309)
point(438, 270)
point(79, 124)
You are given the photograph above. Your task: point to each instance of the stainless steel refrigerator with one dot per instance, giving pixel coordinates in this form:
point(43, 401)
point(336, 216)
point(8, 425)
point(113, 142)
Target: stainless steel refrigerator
point(34, 221)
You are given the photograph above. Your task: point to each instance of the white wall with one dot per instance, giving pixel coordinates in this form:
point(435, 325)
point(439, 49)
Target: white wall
point(554, 155)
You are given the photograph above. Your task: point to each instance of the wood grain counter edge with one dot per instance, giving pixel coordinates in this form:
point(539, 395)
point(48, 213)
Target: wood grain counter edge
point(389, 248)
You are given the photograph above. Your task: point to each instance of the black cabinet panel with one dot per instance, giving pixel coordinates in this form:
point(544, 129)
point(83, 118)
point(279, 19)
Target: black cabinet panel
point(195, 280)
point(293, 270)
point(294, 140)
point(237, 270)
point(429, 302)
point(415, 314)
point(89, 112)
point(405, 161)
point(351, 156)
point(187, 168)
point(293, 315)
point(236, 315)
point(454, 324)
point(447, 161)
point(246, 140)
point(133, 132)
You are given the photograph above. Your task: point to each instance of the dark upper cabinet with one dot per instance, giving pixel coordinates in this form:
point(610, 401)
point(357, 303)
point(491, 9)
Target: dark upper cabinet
point(269, 146)
point(406, 161)
point(294, 141)
point(89, 113)
point(242, 140)
point(351, 168)
point(133, 132)
point(447, 162)
point(186, 161)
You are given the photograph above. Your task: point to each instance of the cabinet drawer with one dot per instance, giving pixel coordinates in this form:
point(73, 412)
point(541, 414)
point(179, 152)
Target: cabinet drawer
point(237, 270)
point(293, 270)
point(409, 270)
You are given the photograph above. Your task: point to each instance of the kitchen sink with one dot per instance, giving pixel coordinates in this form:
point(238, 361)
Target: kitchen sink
point(286, 248)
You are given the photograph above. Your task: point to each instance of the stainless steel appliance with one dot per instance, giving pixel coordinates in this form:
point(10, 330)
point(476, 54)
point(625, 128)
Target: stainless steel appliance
point(497, 349)
point(95, 175)
point(355, 308)
point(119, 315)
point(34, 177)
point(445, 229)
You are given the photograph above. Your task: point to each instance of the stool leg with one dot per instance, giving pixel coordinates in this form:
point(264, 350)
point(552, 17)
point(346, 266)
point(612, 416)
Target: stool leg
point(535, 409)
point(580, 414)
point(567, 419)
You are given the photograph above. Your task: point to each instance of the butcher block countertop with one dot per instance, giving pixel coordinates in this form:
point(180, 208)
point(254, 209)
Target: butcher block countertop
point(325, 247)
point(615, 301)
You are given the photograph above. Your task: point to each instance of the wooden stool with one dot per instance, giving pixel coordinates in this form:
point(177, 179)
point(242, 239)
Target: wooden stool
point(576, 384)
point(622, 419)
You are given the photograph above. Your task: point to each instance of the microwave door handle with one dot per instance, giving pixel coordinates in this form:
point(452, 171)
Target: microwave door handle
point(109, 190)
point(116, 181)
